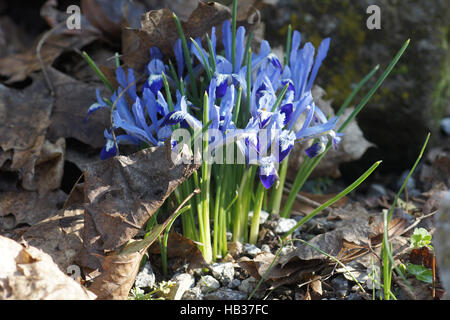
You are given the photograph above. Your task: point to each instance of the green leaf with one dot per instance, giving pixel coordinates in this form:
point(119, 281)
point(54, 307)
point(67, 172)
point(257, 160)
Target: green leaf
point(421, 238)
point(420, 272)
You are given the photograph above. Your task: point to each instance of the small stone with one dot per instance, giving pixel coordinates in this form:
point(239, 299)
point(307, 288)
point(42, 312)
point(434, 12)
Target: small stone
point(145, 278)
point(235, 248)
point(234, 284)
point(208, 284)
point(340, 285)
point(284, 225)
point(445, 125)
point(286, 250)
point(263, 215)
point(341, 293)
point(265, 248)
point(411, 182)
point(229, 236)
point(193, 294)
point(248, 285)
point(377, 190)
point(183, 282)
point(251, 249)
point(225, 294)
point(224, 272)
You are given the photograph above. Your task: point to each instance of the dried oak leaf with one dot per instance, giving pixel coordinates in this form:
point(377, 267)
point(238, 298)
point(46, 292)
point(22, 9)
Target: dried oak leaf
point(27, 273)
point(122, 193)
point(20, 131)
point(68, 118)
point(58, 236)
point(119, 269)
point(349, 241)
point(111, 16)
point(158, 29)
point(28, 207)
point(119, 273)
point(26, 115)
point(18, 67)
point(184, 249)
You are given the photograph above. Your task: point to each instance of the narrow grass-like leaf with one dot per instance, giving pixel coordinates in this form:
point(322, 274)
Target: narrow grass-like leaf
point(98, 71)
point(280, 98)
point(288, 45)
point(205, 61)
point(310, 164)
point(330, 202)
point(187, 57)
point(233, 32)
point(168, 94)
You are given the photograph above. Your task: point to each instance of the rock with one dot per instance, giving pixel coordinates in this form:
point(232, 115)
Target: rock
point(284, 225)
point(208, 284)
point(146, 277)
point(411, 182)
point(266, 248)
point(183, 282)
point(376, 190)
point(234, 284)
point(414, 96)
point(224, 272)
point(441, 242)
point(286, 250)
point(193, 294)
point(235, 248)
point(340, 284)
point(251, 249)
point(263, 216)
point(248, 285)
point(445, 125)
point(225, 294)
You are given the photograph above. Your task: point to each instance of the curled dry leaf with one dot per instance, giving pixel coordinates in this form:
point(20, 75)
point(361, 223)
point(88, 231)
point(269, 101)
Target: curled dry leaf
point(183, 249)
point(28, 208)
point(158, 29)
point(19, 66)
point(22, 138)
point(120, 269)
point(58, 236)
point(122, 193)
point(117, 278)
point(68, 119)
point(351, 240)
point(27, 273)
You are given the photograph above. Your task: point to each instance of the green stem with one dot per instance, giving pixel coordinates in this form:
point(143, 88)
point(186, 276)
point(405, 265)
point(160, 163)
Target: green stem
point(277, 194)
point(254, 229)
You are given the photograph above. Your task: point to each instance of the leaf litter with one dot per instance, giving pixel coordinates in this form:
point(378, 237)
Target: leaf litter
point(97, 226)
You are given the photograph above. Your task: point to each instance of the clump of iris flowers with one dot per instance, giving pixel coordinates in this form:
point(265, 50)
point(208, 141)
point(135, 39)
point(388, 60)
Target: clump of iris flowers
point(251, 101)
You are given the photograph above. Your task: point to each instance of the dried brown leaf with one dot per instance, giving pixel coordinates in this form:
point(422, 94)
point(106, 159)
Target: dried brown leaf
point(29, 207)
point(119, 273)
point(184, 249)
point(158, 29)
point(19, 66)
point(27, 273)
point(72, 101)
point(122, 193)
